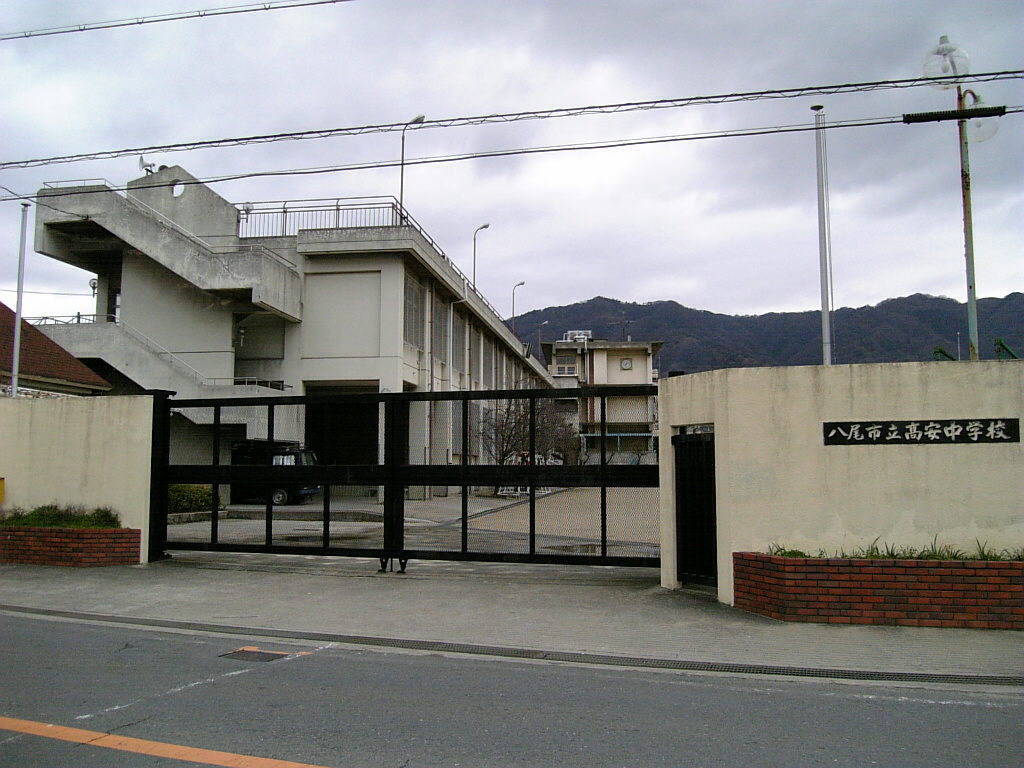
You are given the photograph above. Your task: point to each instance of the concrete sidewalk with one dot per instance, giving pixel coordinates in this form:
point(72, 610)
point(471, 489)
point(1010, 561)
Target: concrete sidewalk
point(545, 611)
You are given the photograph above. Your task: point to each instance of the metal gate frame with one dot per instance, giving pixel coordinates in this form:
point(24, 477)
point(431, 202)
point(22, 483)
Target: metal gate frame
point(696, 514)
point(394, 475)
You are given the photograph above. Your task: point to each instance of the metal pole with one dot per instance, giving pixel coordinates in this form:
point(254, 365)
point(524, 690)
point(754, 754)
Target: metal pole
point(475, 232)
point(521, 282)
point(16, 362)
point(401, 172)
point(965, 189)
point(401, 178)
point(824, 239)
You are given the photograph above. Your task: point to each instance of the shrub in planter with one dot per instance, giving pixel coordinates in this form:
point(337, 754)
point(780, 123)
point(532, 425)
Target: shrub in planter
point(933, 586)
point(55, 535)
point(189, 498)
point(54, 516)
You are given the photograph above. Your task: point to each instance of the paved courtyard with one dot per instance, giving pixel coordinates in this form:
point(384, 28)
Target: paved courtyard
point(568, 521)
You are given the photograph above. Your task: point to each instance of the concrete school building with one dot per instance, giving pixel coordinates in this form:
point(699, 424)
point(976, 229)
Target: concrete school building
point(580, 360)
point(835, 457)
point(209, 299)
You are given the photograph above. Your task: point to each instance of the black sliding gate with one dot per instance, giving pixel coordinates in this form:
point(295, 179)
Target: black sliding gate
point(530, 476)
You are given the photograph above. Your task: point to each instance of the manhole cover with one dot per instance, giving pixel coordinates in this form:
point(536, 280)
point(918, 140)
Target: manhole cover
point(254, 654)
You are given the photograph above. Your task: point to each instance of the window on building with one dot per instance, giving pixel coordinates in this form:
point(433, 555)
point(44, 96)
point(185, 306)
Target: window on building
point(415, 294)
point(439, 328)
point(474, 352)
point(565, 365)
point(459, 342)
point(487, 361)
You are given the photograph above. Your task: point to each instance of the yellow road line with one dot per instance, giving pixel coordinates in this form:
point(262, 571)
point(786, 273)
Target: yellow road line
point(145, 747)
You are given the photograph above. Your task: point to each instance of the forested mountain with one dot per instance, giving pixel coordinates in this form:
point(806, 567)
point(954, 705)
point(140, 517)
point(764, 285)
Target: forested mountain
point(896, 330)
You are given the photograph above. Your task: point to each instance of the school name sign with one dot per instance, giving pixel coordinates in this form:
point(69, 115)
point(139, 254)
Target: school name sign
point(922, 432)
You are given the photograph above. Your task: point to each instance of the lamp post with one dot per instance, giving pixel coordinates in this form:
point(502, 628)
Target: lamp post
point(477, 230)
point(16, 355)
point(521, 282)
point(943, 60)
point(401, 169)
point(824, 236)
point(540, 352)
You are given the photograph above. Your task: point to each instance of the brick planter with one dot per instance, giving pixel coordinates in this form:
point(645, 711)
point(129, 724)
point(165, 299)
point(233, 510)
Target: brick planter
point(70, 546)
point(916, 593)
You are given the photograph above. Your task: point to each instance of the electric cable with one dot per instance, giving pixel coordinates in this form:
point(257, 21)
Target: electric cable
point(510, 117)
point(45, 293)
point(267, 5)
point(34, 199)
point(617, 143)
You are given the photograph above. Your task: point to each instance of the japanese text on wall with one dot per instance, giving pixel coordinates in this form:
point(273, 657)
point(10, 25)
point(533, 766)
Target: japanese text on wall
point(922, 432)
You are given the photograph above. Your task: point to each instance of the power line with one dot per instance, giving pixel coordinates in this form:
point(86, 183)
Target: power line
point(32, 198)
point(611, 144)
point(46, 293)
point(371, 165)
point(510, 117)
point(267, 5)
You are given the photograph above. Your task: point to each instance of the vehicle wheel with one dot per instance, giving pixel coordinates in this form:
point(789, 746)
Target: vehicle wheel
point(280, 496)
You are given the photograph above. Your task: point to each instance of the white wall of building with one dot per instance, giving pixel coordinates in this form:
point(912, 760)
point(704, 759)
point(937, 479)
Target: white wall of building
point(776, 481)
point(93, 452)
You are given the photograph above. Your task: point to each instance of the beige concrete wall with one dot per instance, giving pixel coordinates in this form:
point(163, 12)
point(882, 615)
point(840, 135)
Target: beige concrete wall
point(192, 324)
point(89, 451)
point(777, 482)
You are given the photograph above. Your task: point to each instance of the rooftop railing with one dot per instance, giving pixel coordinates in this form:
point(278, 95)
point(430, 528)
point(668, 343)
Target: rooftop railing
point(284, 218)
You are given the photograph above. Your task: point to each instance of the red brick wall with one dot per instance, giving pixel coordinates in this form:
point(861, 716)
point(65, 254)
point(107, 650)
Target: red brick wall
point(916, 593)
point(70, 546)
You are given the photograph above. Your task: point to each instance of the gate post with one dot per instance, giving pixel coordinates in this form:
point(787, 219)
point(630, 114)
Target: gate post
point(160, 454)
point(396, 456)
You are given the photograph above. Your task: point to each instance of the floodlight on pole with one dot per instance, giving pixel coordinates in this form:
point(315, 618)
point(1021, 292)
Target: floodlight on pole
point(401, 166)
point(521, 282)
point(475, 232)
point(943, 60)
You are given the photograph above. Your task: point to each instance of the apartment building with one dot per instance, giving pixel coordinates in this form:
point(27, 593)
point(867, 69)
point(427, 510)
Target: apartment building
point(578, 359)
point(206, 298)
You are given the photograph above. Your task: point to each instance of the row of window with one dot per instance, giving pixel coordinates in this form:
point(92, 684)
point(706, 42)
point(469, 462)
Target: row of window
point(489, 364)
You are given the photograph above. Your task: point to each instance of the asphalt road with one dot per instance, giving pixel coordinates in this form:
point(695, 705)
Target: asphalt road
point(349, 707)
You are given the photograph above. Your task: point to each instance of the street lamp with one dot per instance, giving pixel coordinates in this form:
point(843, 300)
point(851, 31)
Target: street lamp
point(944, 60)
point(824, 236)
point(482, 226)
point(401, 171)
point(521, 282)
point(540, 352)
point(16, 352)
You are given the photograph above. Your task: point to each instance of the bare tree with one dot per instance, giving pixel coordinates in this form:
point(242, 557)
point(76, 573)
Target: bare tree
point(504, 430)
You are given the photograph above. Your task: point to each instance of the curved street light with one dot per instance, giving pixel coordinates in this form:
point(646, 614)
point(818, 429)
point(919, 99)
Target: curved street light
point(482, 226)
point(521, 282)
point(401, 172)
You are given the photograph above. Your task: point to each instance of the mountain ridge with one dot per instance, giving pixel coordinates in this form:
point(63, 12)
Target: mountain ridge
point(902, 329)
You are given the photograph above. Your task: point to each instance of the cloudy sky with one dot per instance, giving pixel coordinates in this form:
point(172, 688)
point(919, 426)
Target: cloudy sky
point(727, 225)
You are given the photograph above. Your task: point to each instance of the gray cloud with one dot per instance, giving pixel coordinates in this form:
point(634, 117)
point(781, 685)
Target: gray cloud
point(727, 225)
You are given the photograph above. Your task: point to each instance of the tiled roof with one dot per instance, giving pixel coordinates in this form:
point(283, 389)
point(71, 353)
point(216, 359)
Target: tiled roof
point(42, 360)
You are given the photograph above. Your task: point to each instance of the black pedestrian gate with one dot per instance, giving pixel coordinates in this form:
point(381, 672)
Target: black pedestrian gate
point(528, 476)
point(696, 530)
